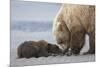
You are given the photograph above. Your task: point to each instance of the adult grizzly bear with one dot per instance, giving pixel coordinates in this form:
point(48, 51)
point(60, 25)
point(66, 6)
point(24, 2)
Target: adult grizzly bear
point(37, 49)
point(70, 26)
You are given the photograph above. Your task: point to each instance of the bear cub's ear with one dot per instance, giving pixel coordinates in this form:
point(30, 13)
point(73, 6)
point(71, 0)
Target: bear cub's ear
point(49, 45)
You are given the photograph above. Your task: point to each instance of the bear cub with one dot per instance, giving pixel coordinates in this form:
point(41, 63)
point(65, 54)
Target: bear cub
point(37, 49)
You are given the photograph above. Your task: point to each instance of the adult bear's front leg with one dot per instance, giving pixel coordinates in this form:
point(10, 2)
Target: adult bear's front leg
point(77, 42)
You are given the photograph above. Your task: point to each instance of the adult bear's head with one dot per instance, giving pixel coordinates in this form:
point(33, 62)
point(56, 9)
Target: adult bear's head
point(62, 35)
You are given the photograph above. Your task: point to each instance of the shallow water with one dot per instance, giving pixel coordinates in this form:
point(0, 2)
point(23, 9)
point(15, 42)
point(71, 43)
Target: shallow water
point(17, 37)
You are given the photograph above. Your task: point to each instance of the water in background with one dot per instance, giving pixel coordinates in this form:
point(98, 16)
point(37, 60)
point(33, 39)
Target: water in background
point(32, 30)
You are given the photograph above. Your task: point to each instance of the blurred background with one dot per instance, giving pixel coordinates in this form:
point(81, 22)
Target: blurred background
point(32, 21)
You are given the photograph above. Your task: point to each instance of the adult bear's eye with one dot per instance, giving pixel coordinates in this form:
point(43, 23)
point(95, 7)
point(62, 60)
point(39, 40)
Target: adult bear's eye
point(60, 42)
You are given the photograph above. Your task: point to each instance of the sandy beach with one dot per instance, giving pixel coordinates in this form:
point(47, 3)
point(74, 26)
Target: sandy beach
point(15, 62)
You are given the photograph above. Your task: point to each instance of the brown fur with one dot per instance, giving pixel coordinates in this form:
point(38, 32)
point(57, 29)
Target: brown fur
point(37, 49)
point(52, 48)
point(71, 24)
